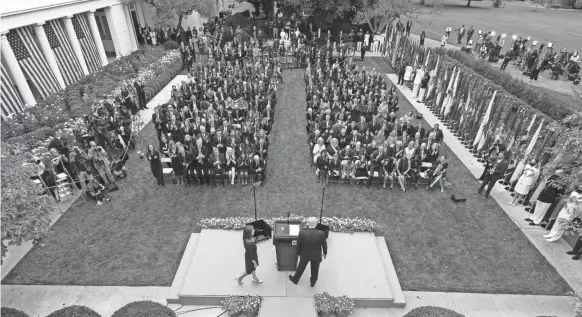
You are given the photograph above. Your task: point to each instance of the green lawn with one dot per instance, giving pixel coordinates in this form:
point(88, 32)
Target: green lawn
point(138, 238)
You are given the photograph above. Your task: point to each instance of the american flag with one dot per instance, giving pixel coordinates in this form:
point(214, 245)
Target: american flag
point(66, 59)
point(87, 43)
point(31, 61)
point(11, 101)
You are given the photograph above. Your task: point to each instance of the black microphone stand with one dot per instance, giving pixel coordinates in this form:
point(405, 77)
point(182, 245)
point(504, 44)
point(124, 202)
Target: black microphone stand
point(254, 185)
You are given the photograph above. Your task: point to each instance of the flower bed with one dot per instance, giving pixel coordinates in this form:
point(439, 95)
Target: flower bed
point(63, 111)
point(335, 224)
point(237, 305)
point(326, 305)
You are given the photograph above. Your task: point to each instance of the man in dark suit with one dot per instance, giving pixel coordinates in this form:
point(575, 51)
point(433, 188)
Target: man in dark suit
point(494, 174)
point(219, 141)
point(141, 97)
point(257, 169)
point(438, 137)
point(376, 163)
point(217, 166)
point(310, 244)
point(261, 148)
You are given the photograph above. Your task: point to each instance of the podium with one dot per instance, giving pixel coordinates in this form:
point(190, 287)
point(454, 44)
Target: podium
point(285, 241)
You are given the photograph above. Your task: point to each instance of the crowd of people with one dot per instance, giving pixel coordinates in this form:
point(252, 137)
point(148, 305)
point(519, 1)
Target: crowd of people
point(218, 124)
point(356, 134)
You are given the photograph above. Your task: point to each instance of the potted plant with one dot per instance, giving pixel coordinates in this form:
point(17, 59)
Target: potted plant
point(344, 306)
point(324, 304)
point(233, 305)
point(251, 305)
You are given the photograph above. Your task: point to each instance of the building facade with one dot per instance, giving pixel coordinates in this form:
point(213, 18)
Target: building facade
point(47, 45)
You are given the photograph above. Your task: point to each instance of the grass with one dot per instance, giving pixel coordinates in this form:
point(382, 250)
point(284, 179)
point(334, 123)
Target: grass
point(138, 238)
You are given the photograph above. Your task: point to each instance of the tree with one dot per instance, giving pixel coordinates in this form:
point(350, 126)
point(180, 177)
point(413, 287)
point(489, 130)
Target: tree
point(25, 214)
point(171, 12)
point(542, 3)
point(380, 13)
point(323, 12)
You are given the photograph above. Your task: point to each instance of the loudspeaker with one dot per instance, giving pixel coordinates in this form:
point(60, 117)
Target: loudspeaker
point(457, 198)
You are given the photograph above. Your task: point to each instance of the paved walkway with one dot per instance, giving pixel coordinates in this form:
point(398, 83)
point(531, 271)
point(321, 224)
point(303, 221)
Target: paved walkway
point(16, 253)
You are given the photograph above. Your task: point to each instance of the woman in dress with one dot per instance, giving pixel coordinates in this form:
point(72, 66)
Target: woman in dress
point(155, 164)
point(242, 165)
point(439, 173)
point(178, 160)
point(251, 256)
point(402, 169)
point(525, 182)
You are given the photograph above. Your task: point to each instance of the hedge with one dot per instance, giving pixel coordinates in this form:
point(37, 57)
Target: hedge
point(432, 311)
point(144, 309)
point(74, 311)
point(11, 312)
point(540, 100)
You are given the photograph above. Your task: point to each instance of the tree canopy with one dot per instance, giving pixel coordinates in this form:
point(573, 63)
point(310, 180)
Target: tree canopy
point(380, 13)
point(25, 214)
point(323, 12)
point(169, 13)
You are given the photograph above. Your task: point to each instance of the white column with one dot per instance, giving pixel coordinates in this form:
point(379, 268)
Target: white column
point(48, 53)
point(140, 16)
point(97, 37)
point(130, 28)
point(14, 69)
point(113, 28)
point(75, 43)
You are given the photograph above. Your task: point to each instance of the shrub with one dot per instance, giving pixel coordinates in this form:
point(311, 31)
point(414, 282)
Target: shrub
point(432, 311)
point(171, 45)
point(74, 311)
point(144, 309)
point(11, 312)
point(496, 3)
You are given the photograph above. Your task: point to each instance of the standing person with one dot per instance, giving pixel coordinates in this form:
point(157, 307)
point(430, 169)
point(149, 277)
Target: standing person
point(470, 34)
point(444, 41)
point(577, 250)
point(101, 162)
point(408, 28)
point(364, 49)
point(401, 72)
point(141, 97)
point(553, 190)
point(251, 256)
point(155, 164)
point(417, 81)
point(422, 37)
point(366, 41)
point(571, 210)
point(310, 244)
point(525, 182)
point(494, 174)
point(460, 34)
point(448, 31)
point(506, 59)
point(80, 162)
point(359, 39)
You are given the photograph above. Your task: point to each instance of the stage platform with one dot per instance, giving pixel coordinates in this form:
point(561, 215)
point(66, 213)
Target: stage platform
point(358, 265)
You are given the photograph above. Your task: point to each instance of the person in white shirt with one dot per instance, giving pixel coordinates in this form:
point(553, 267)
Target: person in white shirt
point(417, 80)
point(408, 74)
point(376, 43)
point(367, 39)
point(448, 31)
point(444, 40)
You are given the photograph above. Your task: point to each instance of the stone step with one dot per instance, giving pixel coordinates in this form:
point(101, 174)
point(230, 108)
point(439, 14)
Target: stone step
point(390, 271)
point(287, 307)
point(180, 276)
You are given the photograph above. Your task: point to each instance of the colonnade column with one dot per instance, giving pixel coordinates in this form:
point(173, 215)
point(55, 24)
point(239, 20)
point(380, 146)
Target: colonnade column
point(48, 53)
point(16, 72)
point(97, 37)
point(75, 44)
point(130, 28)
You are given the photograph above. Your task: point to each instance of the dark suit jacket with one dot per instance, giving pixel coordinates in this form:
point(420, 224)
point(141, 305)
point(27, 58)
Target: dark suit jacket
point(500, 169)
point(310, 244)
point(222, 141)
